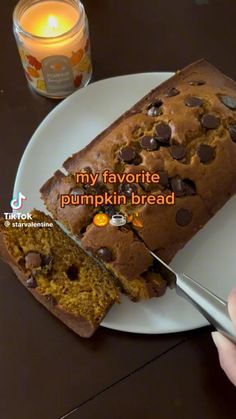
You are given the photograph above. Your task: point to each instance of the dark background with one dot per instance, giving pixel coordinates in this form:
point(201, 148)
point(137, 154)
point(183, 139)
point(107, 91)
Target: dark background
point(46, 371)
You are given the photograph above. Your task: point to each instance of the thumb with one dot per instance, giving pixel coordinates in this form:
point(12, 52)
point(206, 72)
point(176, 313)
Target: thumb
point(227, 355)
point(226, 349)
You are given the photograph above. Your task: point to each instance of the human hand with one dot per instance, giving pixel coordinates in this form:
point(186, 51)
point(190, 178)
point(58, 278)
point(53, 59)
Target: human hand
point(226, 349)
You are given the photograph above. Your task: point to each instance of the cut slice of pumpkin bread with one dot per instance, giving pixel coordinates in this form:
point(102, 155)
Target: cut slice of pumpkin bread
point(58, 273)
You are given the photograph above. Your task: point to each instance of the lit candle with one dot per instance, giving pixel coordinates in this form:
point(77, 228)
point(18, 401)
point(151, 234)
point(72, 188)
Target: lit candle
point(53, 41)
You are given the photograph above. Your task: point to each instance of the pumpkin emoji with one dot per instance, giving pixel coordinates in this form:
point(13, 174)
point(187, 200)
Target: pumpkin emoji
point(34, 62)
point(101, 220)
point(33, 73)
point(76, 57)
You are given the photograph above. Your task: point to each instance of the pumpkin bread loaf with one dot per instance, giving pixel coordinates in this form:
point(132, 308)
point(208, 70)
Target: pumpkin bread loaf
point(184, 130)
point(59, 274)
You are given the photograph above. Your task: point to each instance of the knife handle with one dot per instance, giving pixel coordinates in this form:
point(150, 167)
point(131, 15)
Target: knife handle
point(213, 308)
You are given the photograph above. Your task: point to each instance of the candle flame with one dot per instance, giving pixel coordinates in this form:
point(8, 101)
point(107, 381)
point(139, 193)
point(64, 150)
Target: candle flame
point(52, 21)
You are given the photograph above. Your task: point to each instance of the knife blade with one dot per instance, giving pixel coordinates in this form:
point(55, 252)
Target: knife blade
point(212, 307)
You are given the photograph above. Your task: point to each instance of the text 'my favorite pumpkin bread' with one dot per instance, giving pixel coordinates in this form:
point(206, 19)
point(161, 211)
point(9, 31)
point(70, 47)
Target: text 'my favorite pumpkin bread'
point(185, 130)
point(119, 248)
point(59, 273)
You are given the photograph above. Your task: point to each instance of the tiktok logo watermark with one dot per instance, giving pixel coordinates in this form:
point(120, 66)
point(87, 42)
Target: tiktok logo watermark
point(17, 203)
point(20, 219)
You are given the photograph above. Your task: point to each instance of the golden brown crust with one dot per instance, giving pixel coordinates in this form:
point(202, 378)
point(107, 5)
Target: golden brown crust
point(213, 182)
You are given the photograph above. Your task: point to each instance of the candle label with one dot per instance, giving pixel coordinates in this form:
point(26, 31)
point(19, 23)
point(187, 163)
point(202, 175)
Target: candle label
point(58, 75)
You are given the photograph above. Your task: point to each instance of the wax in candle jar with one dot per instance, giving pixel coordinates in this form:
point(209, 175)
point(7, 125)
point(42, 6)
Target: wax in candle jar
point(49, 19)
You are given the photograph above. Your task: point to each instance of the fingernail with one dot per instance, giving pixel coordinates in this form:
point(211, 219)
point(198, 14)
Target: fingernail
point(216, 338)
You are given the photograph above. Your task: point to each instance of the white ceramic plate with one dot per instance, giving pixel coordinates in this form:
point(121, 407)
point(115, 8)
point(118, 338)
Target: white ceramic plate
point(209, 257)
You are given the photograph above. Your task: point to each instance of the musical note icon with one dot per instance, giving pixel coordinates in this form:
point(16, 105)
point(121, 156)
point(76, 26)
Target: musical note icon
point(17, 203)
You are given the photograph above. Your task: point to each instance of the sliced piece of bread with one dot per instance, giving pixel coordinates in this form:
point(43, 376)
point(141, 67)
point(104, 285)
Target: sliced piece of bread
point(58, 273)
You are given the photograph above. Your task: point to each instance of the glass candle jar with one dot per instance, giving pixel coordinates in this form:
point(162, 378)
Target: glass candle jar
point(53, 41)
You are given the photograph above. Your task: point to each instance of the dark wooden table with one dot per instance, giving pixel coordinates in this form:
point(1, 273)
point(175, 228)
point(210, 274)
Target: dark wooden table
point(47, 372)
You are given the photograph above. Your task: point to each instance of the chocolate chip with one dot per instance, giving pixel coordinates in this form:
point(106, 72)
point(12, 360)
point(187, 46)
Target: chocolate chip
point(137, 160)
point(182, 187)
point(205, 153)
point(77, 191)
point(99, 188)
point(87, 169)
point(127, 189)
point(31, 282)
point(164, 179)
point(105, 254)
point(229, 101)
point(177, 186)
point(163, 132)
point(51, 300)
point(171, 92)
point(108, 209)
point(47, 260)
point(73, 272)
point(178, 152)
point(155, 104)
point(183, 217)
point(149, 143)
point(210, 121)
point(154, 109)
point(156, 285)
point(33, 260)
point(197, 82)
point(189, 186)
point(232, 131)
point(193, 102)
point(127, 154)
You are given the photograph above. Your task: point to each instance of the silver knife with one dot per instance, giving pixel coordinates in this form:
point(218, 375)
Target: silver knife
point(213, 308)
